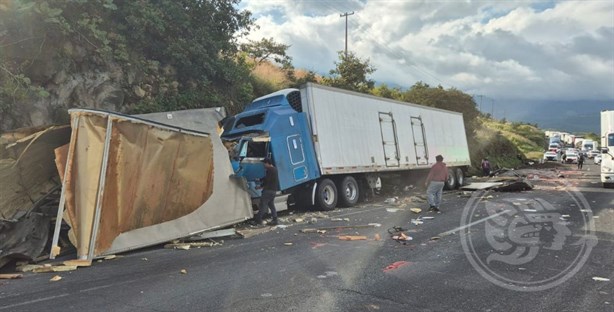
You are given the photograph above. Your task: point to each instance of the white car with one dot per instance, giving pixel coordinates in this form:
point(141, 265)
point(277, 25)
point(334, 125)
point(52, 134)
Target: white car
point(597, 159)
point(571, 158)
point(550, 155)
point(593, 153)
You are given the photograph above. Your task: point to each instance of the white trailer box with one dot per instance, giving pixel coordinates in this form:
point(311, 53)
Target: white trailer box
point(607, 145)
point(354, 132)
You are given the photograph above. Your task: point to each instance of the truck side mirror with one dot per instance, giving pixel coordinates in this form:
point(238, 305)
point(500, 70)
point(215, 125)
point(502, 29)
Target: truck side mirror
point(604, 150)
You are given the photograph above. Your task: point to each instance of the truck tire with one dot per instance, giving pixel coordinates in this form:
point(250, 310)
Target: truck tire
point(460, 177)
point(326, 195)
point(450, 184)
point(349, 191)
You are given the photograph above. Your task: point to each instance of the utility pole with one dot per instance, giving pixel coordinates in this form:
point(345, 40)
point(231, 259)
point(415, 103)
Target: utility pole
point(346, 14)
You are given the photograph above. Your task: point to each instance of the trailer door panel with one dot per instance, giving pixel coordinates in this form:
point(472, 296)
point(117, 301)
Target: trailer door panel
point(422, 152)
point(389, 139)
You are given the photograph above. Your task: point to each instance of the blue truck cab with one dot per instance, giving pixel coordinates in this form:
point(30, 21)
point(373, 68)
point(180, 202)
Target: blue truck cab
point(273, 126)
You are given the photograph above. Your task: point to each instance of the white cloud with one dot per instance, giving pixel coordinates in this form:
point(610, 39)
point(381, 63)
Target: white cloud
point(503, 49)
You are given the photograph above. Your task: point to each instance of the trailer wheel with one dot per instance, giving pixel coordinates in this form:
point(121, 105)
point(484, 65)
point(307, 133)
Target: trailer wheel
point(460, 177)
point(451, 182)
point(326, 195)
point(349, 191)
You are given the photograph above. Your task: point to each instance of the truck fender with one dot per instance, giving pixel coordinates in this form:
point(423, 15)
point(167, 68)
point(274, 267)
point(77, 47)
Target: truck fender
point(313, 193)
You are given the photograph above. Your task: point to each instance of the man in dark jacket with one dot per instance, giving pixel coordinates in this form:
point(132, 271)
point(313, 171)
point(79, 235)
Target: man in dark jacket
point(269, 189)
point(435, 182)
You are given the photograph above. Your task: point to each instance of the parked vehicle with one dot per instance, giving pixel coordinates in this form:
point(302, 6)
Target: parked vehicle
point(593, 153)
point(554, 147)
point(571, 157)
point(331, 145)
point(607, 148)
point(551, 156)
point(597, 160)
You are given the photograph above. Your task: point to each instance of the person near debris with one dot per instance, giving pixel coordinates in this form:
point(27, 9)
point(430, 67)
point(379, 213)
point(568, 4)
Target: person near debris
point(435, 182)
point(580, 160)
point(269, 188)
point(486, 167)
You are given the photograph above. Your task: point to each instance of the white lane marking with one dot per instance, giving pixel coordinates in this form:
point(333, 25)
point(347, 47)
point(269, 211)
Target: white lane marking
point(32, 301)
point(472, 224)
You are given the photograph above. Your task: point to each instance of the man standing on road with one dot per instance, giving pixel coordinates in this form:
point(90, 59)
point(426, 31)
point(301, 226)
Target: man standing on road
point(435, 182)
point(485, 167)
point(269, 188)
point(580, 160)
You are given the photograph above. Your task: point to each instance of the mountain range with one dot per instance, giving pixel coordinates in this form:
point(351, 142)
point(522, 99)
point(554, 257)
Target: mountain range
point(567, 116)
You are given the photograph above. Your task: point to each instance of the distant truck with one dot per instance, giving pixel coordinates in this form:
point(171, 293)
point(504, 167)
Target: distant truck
point(331, 145)
point(607, 148)
point(588, 145)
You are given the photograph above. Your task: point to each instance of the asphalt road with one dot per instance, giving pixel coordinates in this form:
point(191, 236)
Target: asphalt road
point(557, 237)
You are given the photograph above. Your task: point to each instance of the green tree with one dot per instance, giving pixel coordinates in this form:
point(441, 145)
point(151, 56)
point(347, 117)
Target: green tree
point(387, 92)
point(451, 99)
point(267, 49)
point(351, 73)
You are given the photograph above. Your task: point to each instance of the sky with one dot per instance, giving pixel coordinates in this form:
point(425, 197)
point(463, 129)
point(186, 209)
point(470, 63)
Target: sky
point(507, 51)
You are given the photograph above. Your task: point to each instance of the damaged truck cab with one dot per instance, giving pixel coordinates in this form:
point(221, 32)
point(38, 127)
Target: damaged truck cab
point(331, 146)
point(273, 127)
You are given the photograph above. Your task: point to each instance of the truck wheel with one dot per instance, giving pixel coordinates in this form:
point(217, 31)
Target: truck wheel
point(451, 182)
point(326, 195)
point(348, 191)
point(460, 177)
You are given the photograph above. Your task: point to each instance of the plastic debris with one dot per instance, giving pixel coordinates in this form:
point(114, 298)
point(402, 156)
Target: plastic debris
point(391, 200)
point(427, 218)
point(110, 257)
point(600, 279)
point(298, 220)
point(375, 224)
point(415, 210)
point(288, 244)
point(402, 237)
point(395, 265)
point(339, 219)
point(55, 278)
point(183, 271)
point(417, 221)
point(392, 209)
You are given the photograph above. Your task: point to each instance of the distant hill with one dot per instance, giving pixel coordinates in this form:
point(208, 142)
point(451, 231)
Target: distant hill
point(570, 116)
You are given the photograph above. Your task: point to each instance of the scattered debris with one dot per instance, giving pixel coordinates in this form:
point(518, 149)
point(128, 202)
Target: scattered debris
point(415, 210)
point(213, 234)
point(402, 237)
point(144, 259)
point(188, 245)
point(55, 278)
point(298, 220)
point(110, 257)
point(435, 238)
point(288, 244)
point(515, 186)
point(352, 237)
point(377, 237)
point(183, 271)
point(55, 268)
point(360, 226)
point(481, 186)
point(340, 219)
point(313, 220)
point(530, 210)
point(417, 221)
point(247, 233)
point(427, 218)
point(392, 209)
point(78, 263)
point(391, 200)
point(10, 276)
point(396, 265)
point(600, 279)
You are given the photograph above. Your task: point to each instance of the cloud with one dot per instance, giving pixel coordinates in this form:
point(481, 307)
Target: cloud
point(503, 49)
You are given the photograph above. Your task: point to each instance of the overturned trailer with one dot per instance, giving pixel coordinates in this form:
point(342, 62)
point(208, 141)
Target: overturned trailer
point(130, 182)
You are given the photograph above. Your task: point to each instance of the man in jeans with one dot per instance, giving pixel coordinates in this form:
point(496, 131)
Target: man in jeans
point(434, 183)
point(269, 188)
